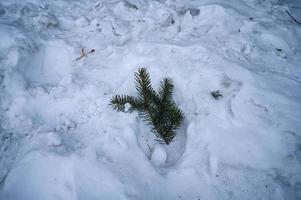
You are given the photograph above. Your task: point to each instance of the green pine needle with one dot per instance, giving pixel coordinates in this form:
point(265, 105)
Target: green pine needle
point(159, 110)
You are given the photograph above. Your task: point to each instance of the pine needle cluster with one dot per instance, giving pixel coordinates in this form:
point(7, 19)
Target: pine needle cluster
point(158, 109)
point(216, 94)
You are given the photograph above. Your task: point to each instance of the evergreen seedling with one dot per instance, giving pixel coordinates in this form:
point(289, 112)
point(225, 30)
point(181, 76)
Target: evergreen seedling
point(158, 109)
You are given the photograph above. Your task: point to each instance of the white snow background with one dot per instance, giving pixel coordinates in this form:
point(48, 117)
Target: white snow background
point(60, 140)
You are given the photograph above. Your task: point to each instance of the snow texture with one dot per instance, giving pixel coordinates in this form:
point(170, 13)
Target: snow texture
point(59, 138)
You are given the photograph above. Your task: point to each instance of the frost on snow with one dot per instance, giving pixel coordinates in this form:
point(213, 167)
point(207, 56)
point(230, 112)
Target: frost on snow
point(59, 138)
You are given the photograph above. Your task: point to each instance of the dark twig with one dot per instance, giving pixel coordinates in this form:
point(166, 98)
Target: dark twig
point(150, 149)
point(289, 14)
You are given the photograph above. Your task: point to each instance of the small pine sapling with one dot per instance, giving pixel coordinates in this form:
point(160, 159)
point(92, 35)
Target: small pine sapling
point(158, 109)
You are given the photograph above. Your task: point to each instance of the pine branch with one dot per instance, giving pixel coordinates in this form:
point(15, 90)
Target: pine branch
point(118, 103)
point(143, 84)
point(165, 96)
point(147, 95)
point(144, 87)
point(174, 118)
point(157, 109)
point(165, 90)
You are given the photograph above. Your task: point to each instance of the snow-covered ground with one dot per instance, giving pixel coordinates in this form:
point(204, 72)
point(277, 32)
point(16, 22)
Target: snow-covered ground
point(59, 138)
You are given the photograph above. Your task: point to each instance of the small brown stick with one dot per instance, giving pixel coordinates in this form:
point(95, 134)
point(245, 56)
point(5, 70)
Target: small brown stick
point(84, 54)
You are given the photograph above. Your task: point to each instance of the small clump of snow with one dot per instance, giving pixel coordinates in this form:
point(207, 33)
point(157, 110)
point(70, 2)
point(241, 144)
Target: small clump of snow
point(159, 155)
point(127, 107)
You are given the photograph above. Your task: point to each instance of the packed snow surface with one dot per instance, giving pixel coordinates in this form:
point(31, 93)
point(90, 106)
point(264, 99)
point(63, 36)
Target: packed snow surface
point(60, 139)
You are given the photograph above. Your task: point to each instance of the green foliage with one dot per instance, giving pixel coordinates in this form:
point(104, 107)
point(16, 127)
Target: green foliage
point(158, 109)
point(216, 94)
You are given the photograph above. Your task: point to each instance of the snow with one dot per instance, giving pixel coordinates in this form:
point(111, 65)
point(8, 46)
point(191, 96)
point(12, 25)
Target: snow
point(60, 139)
point(159, 155)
